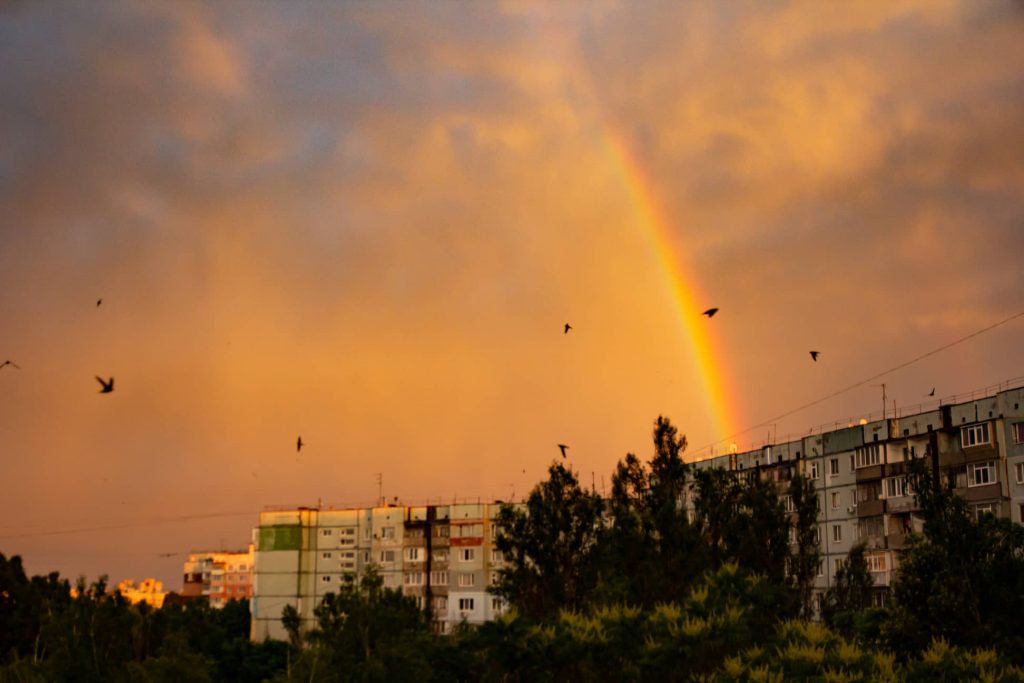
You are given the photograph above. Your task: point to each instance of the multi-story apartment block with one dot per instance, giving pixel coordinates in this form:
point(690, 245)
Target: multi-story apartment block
point(441, 555)
point(860, 473)
point(219, 575)
point(444, 555)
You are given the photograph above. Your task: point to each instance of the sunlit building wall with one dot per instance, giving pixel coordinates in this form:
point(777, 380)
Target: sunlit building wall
point(219, 575)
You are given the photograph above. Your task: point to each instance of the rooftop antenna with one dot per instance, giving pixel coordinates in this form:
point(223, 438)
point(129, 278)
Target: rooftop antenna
point(883, 398)
point(380, 488)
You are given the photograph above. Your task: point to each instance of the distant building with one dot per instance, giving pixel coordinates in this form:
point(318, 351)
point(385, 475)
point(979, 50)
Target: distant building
point(441, 555)
point(150, 591)
point(219, 575)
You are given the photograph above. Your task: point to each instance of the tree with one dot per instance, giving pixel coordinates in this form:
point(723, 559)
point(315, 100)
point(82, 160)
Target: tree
point(962, 581)
point(851, 594)
point(550, 548)
point(366, 632)
point(651, 551)
point(803, 566)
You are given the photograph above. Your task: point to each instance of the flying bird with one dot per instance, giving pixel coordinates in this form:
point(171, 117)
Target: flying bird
point(108, 386)
point(567, 328)
point(710, 312)
point(98, 302)
point(562, 447)
point(298, 445)
point(932, 392)
point(814, 355)
point(12, 364)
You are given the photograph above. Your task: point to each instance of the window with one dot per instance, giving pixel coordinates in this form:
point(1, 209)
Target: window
point(387, 532)
point(837, 532)
point(835, 500)
point(441, 555)
point(497, 605)
point(494, 578)
point(414, 554)
point(981, 473)
point(787, 502)
point(821, 567)
point(496, 531)
point(868, 456)
point(839, 564)
point(465, 604)
point(438, 578)
point(325, 579)
point(984, 509)
point(414, 578)
point(469, 530)
point(814, 470)
point(1018, 432)
point(896, 487)
point(467, 579)
point(467, 554)
point(441, 532)
point(387, 556)
point(833, 466)
point(325, 532)
point(496, 556)
point(1019, 471)
point(876, 562)
point(325, 556)
point(441, 603)
point(975, 435)
point(817, 535)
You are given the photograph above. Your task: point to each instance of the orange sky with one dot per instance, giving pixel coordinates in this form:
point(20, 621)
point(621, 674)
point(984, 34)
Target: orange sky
point(367, 223)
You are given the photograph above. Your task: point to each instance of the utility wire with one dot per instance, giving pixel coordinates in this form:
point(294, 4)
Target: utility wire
point(773, 420)
point(125, 525)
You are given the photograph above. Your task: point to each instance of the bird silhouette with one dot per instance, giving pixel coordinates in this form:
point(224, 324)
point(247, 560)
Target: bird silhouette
point(98, 302)
point(108, 386)
point(298, 445)
point(932, 392)
point(710, 312)
point(814, 355)
point(567, 328)
point(12, 364)
point(562, 447)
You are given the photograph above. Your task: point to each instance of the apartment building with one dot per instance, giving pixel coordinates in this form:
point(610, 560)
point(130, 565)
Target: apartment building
point(441, 555)
point(860, 474)
point(219, 575)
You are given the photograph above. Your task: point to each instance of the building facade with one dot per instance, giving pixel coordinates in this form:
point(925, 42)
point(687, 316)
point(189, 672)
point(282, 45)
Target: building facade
point(219, 575)
point(441, 555)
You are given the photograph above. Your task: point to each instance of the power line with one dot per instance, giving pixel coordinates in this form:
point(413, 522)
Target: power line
point(125, 525)
point(861, 383)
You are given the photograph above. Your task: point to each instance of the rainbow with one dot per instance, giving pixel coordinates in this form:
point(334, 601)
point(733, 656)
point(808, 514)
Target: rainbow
point(686, 296)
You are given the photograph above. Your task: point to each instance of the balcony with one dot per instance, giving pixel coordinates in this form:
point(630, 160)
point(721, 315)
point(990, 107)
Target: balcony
point(870, 508)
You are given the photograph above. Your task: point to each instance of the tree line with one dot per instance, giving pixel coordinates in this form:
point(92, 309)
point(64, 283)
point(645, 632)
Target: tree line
point(678, 575)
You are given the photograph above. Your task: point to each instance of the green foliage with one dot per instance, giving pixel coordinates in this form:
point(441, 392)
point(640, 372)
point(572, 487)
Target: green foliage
point(963, 581)
point(850, 596)
point(804, 564)
point(365, 632)
point(550, 548)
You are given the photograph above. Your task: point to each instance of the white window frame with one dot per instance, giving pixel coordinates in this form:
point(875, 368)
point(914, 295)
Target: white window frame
point(835, 500)
point(466, 604)
point(833, 467)
point(868, 456)
point(974, 471)
point(384, 555)
point(814, 470)
point(414, 578)
point(467, 579)
point(975, 435)
point(837, 533)
point(896, 487)
point(876, 562)
point(414, 554)
point(1018, 469)
point(1017, 429)
point(467, 554)
point(439, 577)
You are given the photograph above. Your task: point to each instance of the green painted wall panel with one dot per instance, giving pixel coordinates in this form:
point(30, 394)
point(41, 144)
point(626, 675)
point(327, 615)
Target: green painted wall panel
point(280, 537)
